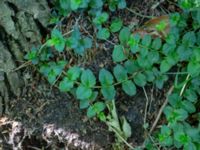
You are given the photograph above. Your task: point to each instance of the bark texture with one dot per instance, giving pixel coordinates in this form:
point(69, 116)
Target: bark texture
point(22, 24)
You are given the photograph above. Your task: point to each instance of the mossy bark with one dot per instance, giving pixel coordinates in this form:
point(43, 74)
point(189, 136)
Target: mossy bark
point(22, 24)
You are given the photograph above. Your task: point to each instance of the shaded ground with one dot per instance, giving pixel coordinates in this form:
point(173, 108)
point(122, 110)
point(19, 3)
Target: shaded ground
point(41, 104)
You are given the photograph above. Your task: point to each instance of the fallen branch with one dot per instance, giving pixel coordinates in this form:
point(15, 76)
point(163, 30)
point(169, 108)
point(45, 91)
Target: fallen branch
point(161, 110)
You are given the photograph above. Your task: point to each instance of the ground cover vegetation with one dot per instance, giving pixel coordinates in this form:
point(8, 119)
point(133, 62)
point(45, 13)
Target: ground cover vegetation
point(139, 60)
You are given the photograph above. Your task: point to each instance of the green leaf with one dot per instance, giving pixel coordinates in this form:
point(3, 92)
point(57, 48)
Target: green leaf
point(124, 35)
point(116, 25)
point(120, 73)
point(121, 4)
point(190, 146)
point(84, 104)
point(140, 79)
point(168, 48)
point(144, 52)
point(83, 92)
point(105, 77)
point(108, 92)
point(193, 133)
point(165, 130)
point(101, 18)
point(57, 40)
point(66, 85)
point(156, 44)
point(149, 75)
point(126, 128)
point(75, 4)
point(95, 109)
point(45, 69)
point(175, 100)
point(165, 137)
point(103, 34)
point(91, 112)
point(88, 79)
point(181, 114)
point(51, 77)
point(193, 68)
point(32, 55)
point(146, 41)
point(118, 54)
point(73, 73)
point(133, 42)
point(181, 137)
point(160, 80)
point(190, 95)
point(65, 4)
point(131, 66)
point(99, 107)
point(165, 66)
point(184, 53)
point(144, 62)
point(161, 26)
point(96, 3)
point(87, 42)
point(189, 39)
point(188, 106)
point(129, 87)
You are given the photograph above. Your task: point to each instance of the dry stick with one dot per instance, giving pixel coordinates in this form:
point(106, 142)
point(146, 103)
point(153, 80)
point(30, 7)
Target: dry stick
point(129, 145)
point(22, 66)
point(161, 110)
point(138, 14)
point(146, 106)
point(157, 4)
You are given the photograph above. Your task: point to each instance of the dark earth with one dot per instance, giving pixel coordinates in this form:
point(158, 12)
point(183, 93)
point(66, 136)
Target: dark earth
point(28, 99)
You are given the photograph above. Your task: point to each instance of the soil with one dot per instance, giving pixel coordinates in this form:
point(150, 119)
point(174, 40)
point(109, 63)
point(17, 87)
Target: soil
point(47, 117)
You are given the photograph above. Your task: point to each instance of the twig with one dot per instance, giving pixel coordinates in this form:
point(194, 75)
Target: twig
point(161, 110)
point(138, 14)
point(157, 4)
point(115, 131)
point(22, 66)
point(146, 106)
point(65, 34)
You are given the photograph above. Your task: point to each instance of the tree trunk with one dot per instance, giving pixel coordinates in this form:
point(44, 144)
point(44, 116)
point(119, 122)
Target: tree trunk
point(22, 24)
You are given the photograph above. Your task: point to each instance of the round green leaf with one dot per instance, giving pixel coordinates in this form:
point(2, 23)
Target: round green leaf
point(129, 88)
point(118, 54)
point(131, 66)
point(165, 66)
point(66, 85)
point(99, 107)
point(140, 79)
point(103, 34)
point(157, 43)
point(187, 105)
point(193, 68)
point(87, 78)
point(83, 92)
point(120, 73)
point(108, 92)
point(124, 35)
point(91, 112)
point(116, 25)
point(73, 73)
point(84, 104)
point(121, 4)
point(146, 41)
point(105, 77)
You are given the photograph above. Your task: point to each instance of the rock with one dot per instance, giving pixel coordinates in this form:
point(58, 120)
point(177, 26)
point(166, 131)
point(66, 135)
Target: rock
point(22, 25)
